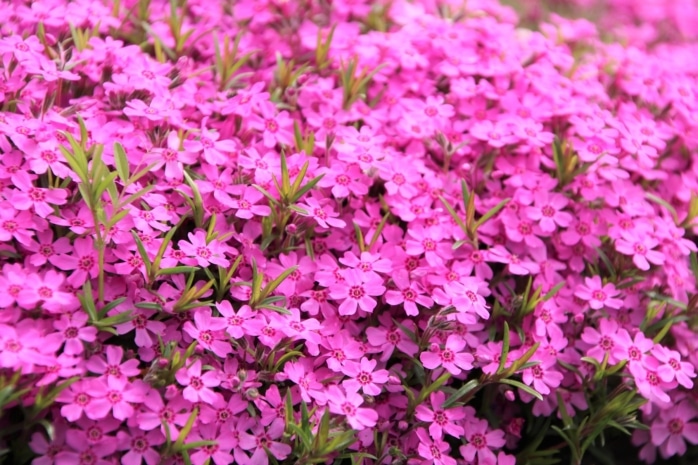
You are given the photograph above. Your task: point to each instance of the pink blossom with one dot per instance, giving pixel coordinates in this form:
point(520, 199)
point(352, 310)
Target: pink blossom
point(441, 420)
point(323, 215)
point(197, 385)
point(599, 295)
point(434, 451)
point(451, 356)
point(364, 376)
point(201, 252)
point(481, 442)
point(673, 428)
point(357, 291)
point(348, 404)
point(640, 248)
point(408, 294)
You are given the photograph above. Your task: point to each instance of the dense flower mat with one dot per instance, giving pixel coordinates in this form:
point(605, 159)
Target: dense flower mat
point(313, 231)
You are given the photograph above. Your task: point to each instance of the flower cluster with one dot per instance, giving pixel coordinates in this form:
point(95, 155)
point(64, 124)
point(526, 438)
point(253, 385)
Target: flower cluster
point(344, 231)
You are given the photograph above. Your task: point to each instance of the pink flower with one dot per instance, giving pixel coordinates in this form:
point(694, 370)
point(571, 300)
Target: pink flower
point(466, 299)
point(640, 247)
point(674, 427)
point(364, 376)
point(76, 399)
point(409, 294)
point(428, 241)
point(235, 320)
point(48, 290)
point(495, 134)
point(208, 332)
point(27, 196)
point(219, 453)
point(449, 357)
point(648, 382)
point(115, 396)
point(602, 340)
point(246, 207)
point(275, 128)
point(15, 224)
point(547, 211)
point(302, 373)
point(173, 158)
point(672, 368)
point(441, 420)
point(481, 442)
point(388, 337)
point(113, 366)
point(83, 261)
point(632, 349)
point(140, 446)
point(543, 376)
point(203, 253)
point(323, 215)
point(144, 325)
point(198, 386)
point(599, 295)
point(517, 265)
point(261, 441)
point(357, 291)
point(74, 331)
point(349, 405)
point(434, 451)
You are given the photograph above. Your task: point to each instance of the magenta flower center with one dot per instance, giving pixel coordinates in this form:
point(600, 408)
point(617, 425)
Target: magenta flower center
point(606, 343)
point(548, 211)
point(478, 441)
point(271, 125)
point(447, 355)
point(364, 378)
point(675, 426)
point(196, 383)
point(9, 226)
point(356, 292)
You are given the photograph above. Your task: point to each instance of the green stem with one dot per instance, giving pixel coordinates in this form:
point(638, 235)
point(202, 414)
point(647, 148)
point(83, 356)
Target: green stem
point(100, 260)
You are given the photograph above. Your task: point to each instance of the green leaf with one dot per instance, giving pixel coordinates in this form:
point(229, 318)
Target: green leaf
point(379, 230)
point(186, 429)
point(137, 195)
point(453, 214)
point(464, 390)
point(433, 387)
point(139, 174)
point(121, 318)
point(121, 162)
point(359, 238)
point(665, 204)
point(111, 305)
point(88, 301)
point(276, 282)
point(276, 309)
point(523, 387)
point(303, 190)
point(505, 349)
point(604, 258)
point(177, 270)
point(141, 251)
point(496, 209)
point(552, 292)
point(266, 194)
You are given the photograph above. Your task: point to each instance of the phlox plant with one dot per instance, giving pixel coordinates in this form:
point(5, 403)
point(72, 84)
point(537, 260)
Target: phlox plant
point(355, 232)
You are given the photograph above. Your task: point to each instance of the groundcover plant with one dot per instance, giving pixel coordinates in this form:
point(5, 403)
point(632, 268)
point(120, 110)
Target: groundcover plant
point(348, 231)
